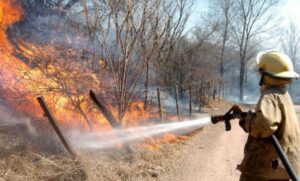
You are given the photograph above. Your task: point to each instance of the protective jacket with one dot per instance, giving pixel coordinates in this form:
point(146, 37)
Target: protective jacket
point(275, 114)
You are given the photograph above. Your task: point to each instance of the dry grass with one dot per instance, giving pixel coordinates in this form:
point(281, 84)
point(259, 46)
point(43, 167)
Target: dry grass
point(142, 164)
point(28, 165)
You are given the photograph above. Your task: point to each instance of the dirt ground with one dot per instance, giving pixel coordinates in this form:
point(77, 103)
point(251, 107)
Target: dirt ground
point(213, 154)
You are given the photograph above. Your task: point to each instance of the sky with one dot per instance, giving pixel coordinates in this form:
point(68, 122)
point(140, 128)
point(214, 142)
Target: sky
point(290, 11)
point(200, 6)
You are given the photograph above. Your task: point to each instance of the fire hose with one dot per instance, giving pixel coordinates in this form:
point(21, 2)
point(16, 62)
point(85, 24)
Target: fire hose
point(232, 114)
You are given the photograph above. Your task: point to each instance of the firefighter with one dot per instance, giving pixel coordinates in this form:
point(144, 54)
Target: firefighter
point(274, 114)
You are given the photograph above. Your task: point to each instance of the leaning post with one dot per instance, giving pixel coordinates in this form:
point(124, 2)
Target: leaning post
point(56, 127)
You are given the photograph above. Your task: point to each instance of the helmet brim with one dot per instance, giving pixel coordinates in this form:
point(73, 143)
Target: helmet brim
point(287, 75)
point(252, 64)
point(259, 56)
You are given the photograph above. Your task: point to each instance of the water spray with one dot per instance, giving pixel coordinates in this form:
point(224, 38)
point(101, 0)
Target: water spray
point(112, 138)
point(117, 136)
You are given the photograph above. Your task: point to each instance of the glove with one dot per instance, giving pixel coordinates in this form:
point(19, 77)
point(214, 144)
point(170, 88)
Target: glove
point(245, 121)
point(237, 112)
point(236, 109)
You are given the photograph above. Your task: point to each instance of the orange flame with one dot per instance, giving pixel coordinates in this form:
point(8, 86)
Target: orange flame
point(10, 13)
point(13, 69)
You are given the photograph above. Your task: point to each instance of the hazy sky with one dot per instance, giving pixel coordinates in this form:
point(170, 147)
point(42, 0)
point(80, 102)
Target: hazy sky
point(290, 10)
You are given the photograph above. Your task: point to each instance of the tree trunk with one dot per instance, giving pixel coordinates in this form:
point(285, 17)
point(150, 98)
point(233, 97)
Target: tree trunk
point(242, 75)
point(146, 86)
point(177, 103)
point(223, 50)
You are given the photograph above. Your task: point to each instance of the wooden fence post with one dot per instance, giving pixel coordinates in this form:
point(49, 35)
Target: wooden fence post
point(177, 104)
point(201, 97)
point(105, 110)
point(190, 101)
point(159, 105)
point(56, 127)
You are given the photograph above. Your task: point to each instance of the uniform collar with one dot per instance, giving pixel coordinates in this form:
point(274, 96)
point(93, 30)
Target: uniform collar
point(266, 88)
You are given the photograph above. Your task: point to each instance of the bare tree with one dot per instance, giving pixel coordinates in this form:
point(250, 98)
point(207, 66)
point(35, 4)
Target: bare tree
point(252, 19)
point(62, 77)
point(165, 29)
point(223, 11)
point(290, 42)
point(42, 7)
point(132, 34)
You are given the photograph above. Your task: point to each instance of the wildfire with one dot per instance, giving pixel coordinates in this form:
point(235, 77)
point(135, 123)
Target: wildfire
point(63, 83)
point(10, 13)
point(136, 114)
point(154, 144)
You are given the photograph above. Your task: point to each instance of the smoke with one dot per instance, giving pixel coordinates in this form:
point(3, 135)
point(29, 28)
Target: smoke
point(251, 85)
point(110, 139)
point(52, 29)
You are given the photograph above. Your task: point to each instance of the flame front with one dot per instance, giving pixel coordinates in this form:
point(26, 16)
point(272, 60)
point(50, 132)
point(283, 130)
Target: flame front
point(61, 82)
point(10, 13)
point(20, 81)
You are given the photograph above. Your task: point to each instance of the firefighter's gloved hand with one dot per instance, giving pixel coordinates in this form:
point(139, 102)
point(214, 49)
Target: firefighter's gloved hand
point(246, 121)
point(236, 109)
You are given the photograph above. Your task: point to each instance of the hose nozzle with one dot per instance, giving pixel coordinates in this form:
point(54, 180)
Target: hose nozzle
point(231, 114)
point(218, 118)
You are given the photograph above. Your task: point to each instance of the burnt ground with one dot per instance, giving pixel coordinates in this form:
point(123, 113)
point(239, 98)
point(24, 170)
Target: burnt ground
point(210, 154)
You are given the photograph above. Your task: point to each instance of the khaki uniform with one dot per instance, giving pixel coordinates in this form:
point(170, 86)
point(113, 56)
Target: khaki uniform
point(275, 114)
